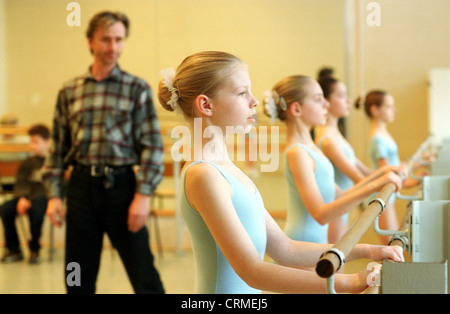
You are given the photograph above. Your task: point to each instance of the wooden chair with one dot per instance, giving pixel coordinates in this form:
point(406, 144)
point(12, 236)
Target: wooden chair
point(158, 197)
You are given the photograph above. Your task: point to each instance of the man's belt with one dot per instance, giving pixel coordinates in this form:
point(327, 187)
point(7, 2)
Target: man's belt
point(101, 170)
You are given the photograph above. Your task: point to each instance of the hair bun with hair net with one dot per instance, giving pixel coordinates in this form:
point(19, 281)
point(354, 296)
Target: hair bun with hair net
point(271, 99)
point(168, 77)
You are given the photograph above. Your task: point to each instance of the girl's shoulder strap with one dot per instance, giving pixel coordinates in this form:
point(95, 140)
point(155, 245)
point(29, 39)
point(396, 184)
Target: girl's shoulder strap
point(308, 150)
point(323, 138)
point(219, 168)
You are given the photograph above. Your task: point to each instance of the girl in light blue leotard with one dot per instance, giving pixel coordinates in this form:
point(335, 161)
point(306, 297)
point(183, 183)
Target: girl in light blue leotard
point(383, 147)
point(380, 108)
point(300, 225)
point(314, 198)
point(216, 275)
point(230, 229)
point(342, 180)
point(330, 139)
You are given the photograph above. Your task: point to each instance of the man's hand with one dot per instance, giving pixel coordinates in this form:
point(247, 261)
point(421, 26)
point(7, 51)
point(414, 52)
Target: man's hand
point(138, 212)
point(23, 205)
point(55, 211)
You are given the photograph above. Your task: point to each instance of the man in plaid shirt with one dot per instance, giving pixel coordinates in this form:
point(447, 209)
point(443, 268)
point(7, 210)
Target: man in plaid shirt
point(104, 124)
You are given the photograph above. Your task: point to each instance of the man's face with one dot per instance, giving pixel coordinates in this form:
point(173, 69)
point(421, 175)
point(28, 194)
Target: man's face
point(107, 43)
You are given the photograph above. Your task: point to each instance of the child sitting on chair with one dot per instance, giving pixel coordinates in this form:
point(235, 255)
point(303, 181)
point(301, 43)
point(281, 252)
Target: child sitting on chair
point(29, 198)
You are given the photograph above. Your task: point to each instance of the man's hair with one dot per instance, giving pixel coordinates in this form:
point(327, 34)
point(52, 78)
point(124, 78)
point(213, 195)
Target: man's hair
point(107, 18)
point(41, 130)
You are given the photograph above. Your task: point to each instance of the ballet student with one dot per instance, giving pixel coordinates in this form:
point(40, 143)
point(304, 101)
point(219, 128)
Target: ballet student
point(230, 229)
point(379, 106)
point(348, 169)
point(314, 198)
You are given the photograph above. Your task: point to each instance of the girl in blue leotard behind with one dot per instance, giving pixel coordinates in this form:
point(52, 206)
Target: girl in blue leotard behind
point(348, 169)
point(314, 198)
point(380, 108)
point(230, 229)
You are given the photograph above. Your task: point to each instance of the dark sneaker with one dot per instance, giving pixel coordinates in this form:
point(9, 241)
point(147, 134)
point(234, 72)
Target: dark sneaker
point(12, 257)
point(34, 258)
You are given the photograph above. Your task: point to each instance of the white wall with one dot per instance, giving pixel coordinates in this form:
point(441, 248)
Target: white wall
point(440, 103)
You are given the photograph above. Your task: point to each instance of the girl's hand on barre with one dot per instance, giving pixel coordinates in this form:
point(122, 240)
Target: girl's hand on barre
point(381, 252)
point(428, 156)
point(357, 283)
point(354, 283)
point(401, 170)
point(391, 177)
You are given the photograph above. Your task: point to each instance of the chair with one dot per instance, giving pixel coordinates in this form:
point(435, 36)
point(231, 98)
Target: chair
point(159, 195)
point(8, 170)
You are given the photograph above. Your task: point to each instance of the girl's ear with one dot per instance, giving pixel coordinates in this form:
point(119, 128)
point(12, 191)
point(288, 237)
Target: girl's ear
point(373, 111)
point(203, 105)
point(295, 109)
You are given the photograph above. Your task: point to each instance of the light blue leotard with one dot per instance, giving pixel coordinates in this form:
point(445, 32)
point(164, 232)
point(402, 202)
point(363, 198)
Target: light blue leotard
point(383, 147)
point(342, 180)
point(300, 225)
point(214, 273)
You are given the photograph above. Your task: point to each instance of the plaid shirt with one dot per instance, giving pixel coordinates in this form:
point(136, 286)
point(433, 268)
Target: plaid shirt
point(112, 122)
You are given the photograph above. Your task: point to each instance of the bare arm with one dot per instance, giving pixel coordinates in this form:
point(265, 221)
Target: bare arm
point(337, 156)
point(363, 168)
point(292, 253)
point(302, 167)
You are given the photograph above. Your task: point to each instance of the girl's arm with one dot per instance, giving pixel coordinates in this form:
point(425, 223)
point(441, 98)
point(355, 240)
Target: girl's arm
point(210, 194)
point(299, 254)
point(337, 156)
point(302, 167)
point(363, 168)
point(357, 172)
point(378, 177)
point(382, 162)
point(408, 182)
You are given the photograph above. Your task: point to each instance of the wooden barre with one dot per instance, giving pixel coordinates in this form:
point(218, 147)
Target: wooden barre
point(331, 260)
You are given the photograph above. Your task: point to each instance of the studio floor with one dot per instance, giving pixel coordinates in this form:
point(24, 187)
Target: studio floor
point(47, 277)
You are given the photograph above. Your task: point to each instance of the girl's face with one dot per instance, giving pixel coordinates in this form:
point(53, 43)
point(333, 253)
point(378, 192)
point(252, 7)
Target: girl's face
point(386, 112)
point(234, 104)
point(339, 101)
point(314, 106)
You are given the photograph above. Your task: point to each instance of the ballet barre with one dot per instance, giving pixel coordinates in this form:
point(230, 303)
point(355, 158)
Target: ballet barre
point(427, 243)
point(332, 259)
point(423, 158)
point(424, 235)
point(427, 223)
